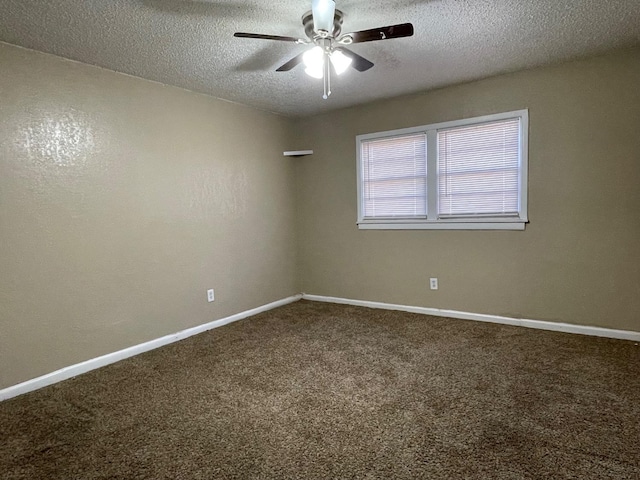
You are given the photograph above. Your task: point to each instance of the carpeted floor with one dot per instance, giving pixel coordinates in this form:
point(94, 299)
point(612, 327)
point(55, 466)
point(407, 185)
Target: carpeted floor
point(315, 390)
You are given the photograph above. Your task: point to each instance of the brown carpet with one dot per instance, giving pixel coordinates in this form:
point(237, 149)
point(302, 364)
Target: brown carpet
point(315, 390)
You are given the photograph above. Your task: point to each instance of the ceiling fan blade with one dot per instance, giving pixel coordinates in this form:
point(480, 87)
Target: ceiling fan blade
point(359, 63)
point(323, 13)
point(291, 63)
point(267, 37)
point(381, 33)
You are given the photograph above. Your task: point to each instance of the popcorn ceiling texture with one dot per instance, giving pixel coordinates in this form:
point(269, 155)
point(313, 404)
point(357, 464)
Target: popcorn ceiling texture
point(190, 43)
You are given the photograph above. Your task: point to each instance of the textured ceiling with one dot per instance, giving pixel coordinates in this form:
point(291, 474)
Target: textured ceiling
point(190, 43)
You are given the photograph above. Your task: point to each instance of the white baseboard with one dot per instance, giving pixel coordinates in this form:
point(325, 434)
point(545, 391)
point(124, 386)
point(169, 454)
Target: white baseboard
point(88, 365)
point(92, 364)
point(521, 322)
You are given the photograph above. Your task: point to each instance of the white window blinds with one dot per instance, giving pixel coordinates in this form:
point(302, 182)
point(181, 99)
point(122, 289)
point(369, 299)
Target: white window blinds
point(467, 174)
point(478, 170)
point(394, 177)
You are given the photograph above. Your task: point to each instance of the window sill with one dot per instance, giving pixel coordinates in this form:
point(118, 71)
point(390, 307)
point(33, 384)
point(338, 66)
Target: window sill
point(519, 225)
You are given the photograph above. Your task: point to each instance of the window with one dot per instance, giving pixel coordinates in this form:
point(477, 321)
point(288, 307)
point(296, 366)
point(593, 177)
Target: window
point(466, 174)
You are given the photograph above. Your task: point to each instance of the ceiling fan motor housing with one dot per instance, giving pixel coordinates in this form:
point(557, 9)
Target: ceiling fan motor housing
point(307, 22)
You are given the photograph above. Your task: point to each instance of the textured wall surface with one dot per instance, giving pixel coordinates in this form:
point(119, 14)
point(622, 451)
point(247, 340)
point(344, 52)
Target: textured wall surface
point(121, 202)
point(578, 261)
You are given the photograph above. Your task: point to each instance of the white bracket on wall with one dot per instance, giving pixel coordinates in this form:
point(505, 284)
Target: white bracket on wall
point(298, 153)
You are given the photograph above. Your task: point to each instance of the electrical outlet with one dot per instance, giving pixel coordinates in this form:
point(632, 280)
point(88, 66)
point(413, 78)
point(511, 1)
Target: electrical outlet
point(433, 283)
point(210, 296)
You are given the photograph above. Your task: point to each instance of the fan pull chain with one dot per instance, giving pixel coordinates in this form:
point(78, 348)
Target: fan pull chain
point(326, 76)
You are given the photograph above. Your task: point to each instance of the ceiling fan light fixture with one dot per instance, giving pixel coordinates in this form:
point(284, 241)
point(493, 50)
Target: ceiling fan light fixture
point(314, 61)
point(323, 28)
point(340, 61)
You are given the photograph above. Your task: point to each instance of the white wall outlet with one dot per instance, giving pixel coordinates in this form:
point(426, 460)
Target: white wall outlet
point(210, 296)
point(433, 283)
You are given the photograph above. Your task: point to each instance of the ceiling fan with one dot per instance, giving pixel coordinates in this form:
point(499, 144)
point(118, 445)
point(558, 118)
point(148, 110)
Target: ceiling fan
point(323, 27)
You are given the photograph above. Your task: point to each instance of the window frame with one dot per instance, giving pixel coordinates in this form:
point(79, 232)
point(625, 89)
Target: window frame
point(432, 221)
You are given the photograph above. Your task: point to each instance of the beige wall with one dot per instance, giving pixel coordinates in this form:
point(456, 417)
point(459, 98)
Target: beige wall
point(578, 261)
point(121, 202)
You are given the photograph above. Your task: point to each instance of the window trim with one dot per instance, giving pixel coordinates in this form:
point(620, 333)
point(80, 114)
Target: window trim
point(432, 222)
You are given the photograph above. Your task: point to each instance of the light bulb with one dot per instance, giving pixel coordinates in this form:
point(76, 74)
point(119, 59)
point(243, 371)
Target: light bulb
point(314, 72)
point(314, 61)
point(340, 61)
